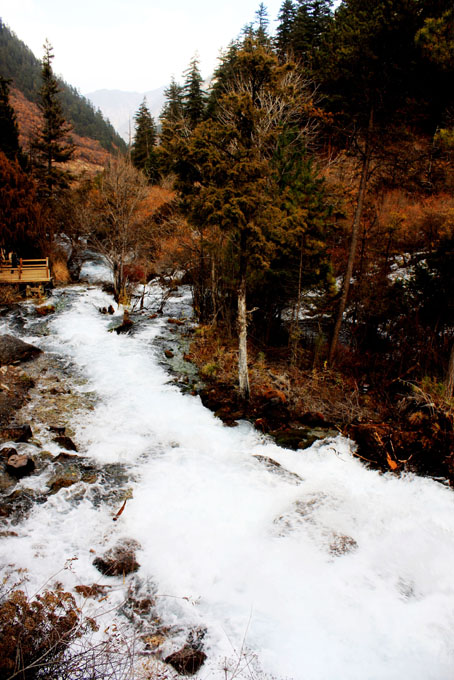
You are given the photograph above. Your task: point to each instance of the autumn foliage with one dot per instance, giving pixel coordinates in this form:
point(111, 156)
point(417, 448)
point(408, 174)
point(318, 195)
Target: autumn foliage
point(22, 216)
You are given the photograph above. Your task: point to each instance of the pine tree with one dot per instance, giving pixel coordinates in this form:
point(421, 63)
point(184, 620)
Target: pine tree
point(261, 26)
point(228, 179)
point(52, 144)
point(313, 18)
point(173, 109)
point(193, 95)
point(284, 31)
point(9, 131)
point(143, 155)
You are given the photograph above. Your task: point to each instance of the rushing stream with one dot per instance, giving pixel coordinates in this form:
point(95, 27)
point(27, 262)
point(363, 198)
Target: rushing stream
point(319, 569)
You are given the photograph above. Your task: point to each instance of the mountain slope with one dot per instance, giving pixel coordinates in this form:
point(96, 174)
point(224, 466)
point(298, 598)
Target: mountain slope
point(120, 106)
point(18, 63)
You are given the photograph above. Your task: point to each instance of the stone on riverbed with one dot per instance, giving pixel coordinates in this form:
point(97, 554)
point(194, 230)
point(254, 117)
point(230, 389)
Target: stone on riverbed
point(119, 560)
point(13, 350)
point(19, 466)
point(65, 442)
point(16, 433)
point(187, 661)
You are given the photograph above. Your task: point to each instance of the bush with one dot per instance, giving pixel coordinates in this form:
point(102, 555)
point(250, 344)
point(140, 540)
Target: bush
point(36, 633)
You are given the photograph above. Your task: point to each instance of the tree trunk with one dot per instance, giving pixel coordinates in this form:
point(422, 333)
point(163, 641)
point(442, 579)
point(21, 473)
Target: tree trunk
point(243, 372)
point(295, 333)
point(353, 243)
point(449, 380)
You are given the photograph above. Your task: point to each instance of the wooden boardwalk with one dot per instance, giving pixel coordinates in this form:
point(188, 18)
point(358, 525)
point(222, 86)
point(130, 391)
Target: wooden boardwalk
point(27, 271)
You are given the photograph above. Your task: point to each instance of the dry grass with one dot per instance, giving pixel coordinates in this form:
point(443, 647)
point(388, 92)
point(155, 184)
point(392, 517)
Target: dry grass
point(9, 294)
point(316, 389)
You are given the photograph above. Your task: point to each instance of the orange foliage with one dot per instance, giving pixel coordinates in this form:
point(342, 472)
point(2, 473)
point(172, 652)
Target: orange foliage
point(89, 155)
point(416, 222)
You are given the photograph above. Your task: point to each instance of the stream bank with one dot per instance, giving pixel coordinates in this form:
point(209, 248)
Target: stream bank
point(259, 557)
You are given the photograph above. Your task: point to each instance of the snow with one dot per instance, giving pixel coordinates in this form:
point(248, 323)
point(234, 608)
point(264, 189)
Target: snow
point(233, 546)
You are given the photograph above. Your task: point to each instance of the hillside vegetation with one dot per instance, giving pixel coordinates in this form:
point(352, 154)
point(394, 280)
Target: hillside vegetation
point(19, 64)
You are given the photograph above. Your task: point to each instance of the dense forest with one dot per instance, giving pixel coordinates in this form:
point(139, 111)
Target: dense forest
point(307, 197)
point(18, 63)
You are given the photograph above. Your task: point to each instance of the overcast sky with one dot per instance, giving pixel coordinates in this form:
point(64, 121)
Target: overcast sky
point(134, 45)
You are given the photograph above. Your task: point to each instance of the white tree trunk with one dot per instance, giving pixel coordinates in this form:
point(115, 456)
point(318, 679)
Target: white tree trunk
point(243, 372)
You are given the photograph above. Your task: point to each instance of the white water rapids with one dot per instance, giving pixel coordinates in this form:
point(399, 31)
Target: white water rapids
point(233, 546)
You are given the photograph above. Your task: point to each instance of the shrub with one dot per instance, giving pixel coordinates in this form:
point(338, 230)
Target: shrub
point(36, 633)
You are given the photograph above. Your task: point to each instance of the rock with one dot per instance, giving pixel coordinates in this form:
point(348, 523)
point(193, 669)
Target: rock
point(119, 560)
point(314, 419)
point(44, 310)
point(16, 433)
point(187, 661)
point(57, 429)
point(63, 480)
point(65, 442)
point(19, 466)
point(7, 452)
point(274, 467)
point(13, 350)
point(19, 503)
point(169, 354)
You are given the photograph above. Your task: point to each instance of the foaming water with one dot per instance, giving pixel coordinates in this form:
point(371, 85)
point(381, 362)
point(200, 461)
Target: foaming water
point(328, 571)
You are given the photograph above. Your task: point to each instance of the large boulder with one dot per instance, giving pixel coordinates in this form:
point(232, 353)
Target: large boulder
point(13, 350)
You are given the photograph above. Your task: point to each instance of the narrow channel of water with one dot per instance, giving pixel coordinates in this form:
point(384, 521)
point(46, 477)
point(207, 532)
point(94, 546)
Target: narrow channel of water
point(331, 572)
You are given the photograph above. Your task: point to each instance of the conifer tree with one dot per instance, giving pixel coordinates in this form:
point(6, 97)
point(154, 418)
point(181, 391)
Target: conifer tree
point(143, 155)
point(173, 108)
point(193, 95)
point(9, 131)
point(228, 174)
point(285, 29)
point(311, 23)
point(261, 25)
point(52, 144)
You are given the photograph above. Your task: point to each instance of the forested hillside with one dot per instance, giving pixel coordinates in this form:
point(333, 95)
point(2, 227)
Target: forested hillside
point(19, 64)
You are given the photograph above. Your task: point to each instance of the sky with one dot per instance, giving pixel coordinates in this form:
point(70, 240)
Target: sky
point(132, 45)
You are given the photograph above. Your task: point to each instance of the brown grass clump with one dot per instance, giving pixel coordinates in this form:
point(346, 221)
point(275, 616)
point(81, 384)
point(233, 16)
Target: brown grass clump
point(9, 294)
point(300, 387)
point(37, 632)
point(60, 271)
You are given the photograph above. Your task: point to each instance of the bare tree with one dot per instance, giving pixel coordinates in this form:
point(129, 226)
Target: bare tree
point(122, 230)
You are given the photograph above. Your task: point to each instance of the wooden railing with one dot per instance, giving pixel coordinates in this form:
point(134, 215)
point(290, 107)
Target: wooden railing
point(26, 271)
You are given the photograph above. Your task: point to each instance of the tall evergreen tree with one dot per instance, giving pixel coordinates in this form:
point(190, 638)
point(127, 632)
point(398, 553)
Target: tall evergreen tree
point(261, 25)
point(52, 144)
point(311, 23)
point(285, 29)
point(193, 94)
point(228, 179)
point(9, 131)
point(143, 154)
point(173, 108)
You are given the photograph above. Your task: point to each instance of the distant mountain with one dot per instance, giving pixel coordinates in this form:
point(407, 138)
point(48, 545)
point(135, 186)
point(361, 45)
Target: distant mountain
point(119, 106)
point(18, 63)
